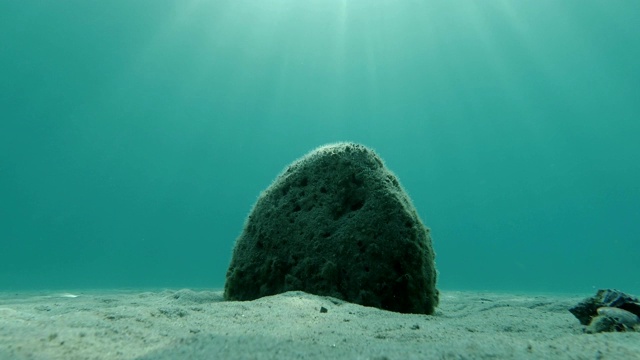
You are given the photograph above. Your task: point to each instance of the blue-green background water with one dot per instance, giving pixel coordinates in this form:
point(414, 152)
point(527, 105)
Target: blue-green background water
point(136, 135)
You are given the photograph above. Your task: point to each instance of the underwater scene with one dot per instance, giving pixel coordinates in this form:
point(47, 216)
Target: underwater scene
point(136, 138)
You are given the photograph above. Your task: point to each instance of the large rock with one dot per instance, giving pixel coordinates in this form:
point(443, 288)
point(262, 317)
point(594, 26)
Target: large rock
point(336, 222)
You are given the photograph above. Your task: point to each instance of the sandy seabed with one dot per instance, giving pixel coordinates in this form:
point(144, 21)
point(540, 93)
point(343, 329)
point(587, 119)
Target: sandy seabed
point(188, 324)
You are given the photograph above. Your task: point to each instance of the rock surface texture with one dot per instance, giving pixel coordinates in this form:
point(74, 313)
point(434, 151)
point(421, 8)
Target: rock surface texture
point(336, 223)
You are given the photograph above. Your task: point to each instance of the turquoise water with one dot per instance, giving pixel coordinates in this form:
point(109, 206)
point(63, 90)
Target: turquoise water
point(136, 135)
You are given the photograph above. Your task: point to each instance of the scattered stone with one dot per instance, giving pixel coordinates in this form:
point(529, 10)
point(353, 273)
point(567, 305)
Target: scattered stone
point(336, 223)
point(609, 310)
point(624, 317)
point(611, 319)
point(323, 309)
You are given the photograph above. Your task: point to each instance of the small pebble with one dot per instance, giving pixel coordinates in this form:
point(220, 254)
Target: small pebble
point(621, 316)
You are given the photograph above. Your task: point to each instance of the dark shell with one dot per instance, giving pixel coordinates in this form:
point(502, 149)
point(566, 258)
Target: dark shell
point(588, 309)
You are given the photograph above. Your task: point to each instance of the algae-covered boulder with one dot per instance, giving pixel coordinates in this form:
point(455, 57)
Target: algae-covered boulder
point(336, 222)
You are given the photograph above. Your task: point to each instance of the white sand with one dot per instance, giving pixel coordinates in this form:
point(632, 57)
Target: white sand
point(189, 324)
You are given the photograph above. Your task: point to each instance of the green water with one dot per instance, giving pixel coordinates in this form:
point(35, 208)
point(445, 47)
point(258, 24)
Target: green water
point(136, 135)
